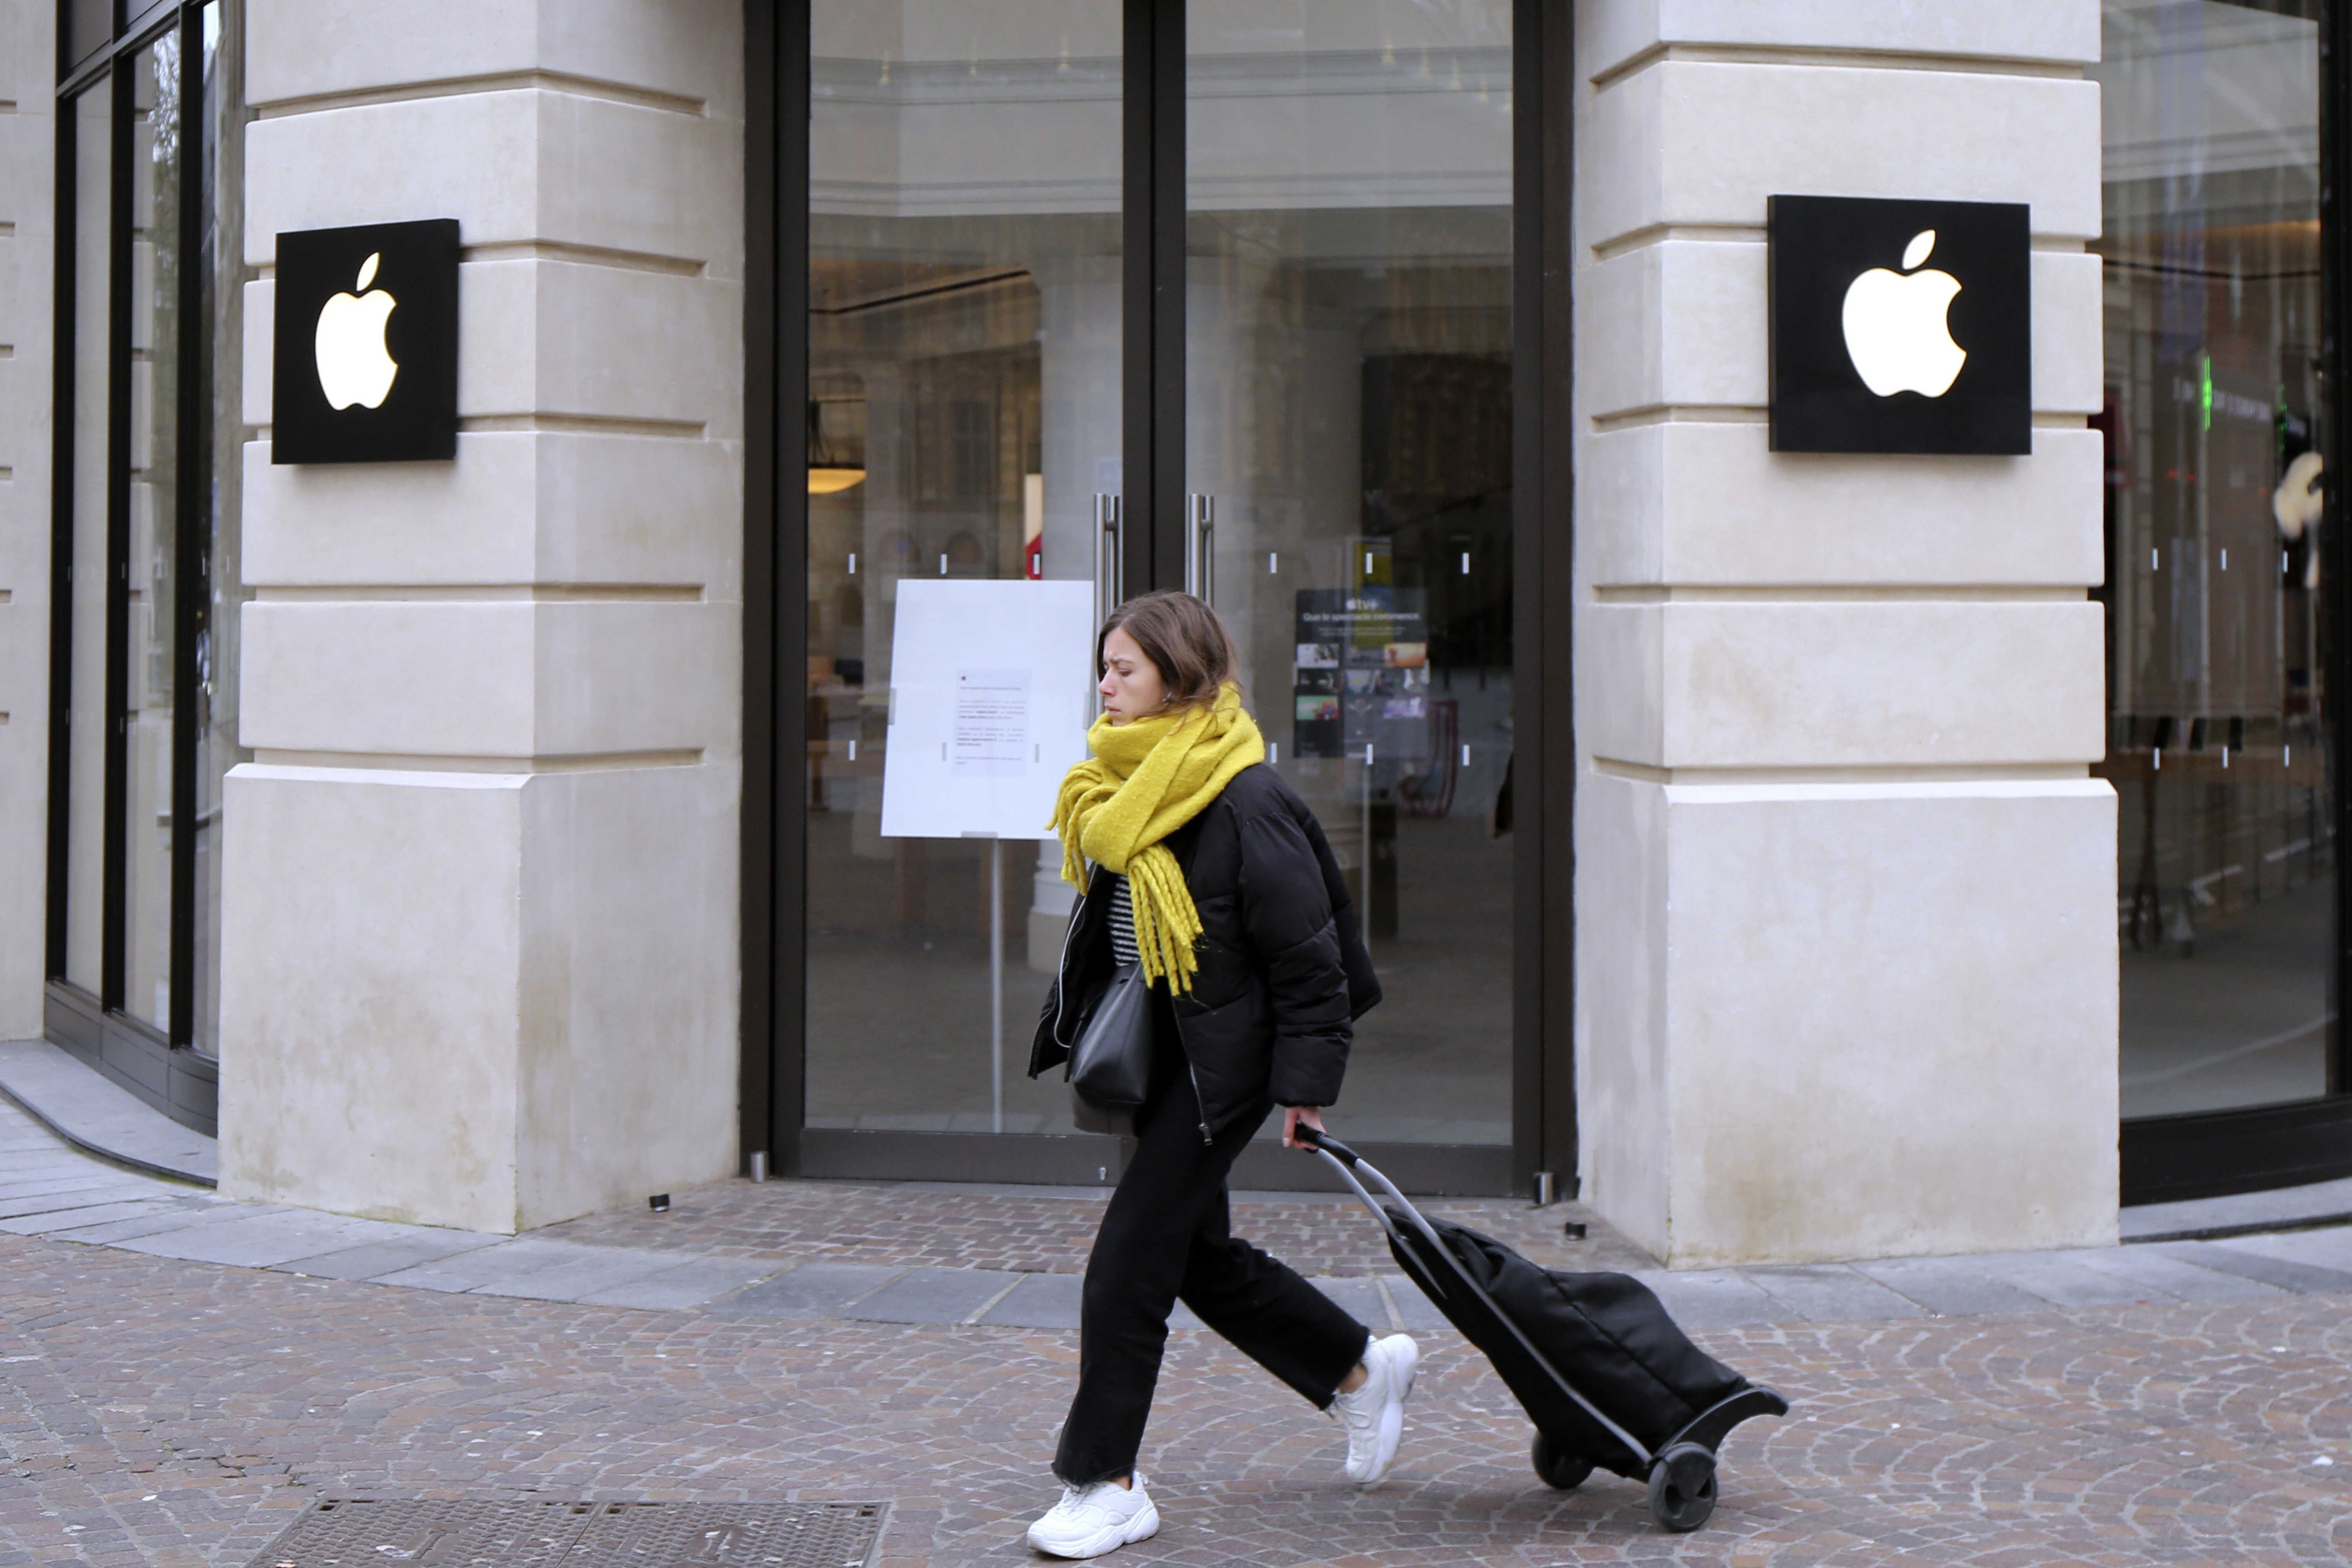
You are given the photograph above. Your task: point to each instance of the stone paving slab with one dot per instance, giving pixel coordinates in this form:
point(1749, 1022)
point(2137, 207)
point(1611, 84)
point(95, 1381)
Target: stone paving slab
point(1412, 1311)
point(2286, 1273)
point(1824, 1294)
point(380, 1260)
point(811, 1290)
point(2056, 1278)
point(259, 1240)
point(27, 1197)
point(1716, 1298)
point(500, 1263)
point(1360, 1299)
point(1947, 1288)
point(1038, 1301)
point(73, 1222)
point(933, 1296)
point(87, 1110)
point(28, 1216)
point(685, 1285)
point(173, 1213)
point(2159, 1274)
point(2320, 1249)
point(605, 1268)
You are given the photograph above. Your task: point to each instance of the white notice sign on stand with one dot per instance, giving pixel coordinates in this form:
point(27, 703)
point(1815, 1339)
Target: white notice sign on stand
point(991, 689)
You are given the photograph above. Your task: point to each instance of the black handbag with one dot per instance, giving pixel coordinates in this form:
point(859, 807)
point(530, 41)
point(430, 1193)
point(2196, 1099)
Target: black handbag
point(1109, 1070)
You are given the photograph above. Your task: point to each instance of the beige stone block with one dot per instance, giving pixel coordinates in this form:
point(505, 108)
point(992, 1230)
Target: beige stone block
point(258, 388)
point(1886, 1027)
point(28, 52)
point(1838, 683)
point(628, 981)
point(2051, 32)
point(1676, 324)
point(2069, 346)
point(492, 1001)
point(1622, 967)
point(498, 678)
point(1685, 323)
point(686, 49)
point(1711, 504)
point(370, 1016)
point(600, 343)
point(515, 507)
point(517, 167)
point(1662, 154)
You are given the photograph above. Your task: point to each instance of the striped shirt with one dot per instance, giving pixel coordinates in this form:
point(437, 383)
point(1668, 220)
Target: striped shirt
point(1122, 921)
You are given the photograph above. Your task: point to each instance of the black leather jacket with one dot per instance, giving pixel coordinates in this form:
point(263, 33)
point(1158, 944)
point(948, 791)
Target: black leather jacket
point(1283, 973)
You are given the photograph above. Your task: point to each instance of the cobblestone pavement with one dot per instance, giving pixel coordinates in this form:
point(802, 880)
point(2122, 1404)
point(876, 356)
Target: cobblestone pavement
point(170, 1412)
point(2179, 1403)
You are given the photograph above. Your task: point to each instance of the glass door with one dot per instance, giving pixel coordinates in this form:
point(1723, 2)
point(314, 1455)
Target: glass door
point(1348, 454)
point(1056, 249)
point(965, 321)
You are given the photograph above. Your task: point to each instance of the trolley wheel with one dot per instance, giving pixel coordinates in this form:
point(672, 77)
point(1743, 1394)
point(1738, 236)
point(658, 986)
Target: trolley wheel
point(1556, 1468)
point(1682, 1487)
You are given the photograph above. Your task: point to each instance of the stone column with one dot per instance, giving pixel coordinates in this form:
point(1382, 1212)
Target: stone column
point(27, 243)
point(479, 958)
point(1846, 969)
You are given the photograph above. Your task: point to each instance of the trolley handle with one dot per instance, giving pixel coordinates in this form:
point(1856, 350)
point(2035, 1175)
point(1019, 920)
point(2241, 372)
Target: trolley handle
point(1317, 1138)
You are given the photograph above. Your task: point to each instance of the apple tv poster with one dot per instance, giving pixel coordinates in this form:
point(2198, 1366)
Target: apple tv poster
point(1360, 675)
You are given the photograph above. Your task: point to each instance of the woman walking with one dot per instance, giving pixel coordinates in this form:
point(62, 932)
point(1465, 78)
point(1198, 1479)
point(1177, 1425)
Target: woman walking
point(1210, 870)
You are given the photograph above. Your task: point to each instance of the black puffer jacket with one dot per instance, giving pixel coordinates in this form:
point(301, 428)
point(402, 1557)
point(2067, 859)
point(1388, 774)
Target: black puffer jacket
point(1284, 972)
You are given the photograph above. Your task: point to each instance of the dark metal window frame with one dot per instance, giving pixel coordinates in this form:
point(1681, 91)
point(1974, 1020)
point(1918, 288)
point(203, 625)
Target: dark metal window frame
point(775, 715)
point(2209, 1154)
point(159, 1066)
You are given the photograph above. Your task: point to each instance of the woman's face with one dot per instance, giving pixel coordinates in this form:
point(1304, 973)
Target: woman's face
point(1132, 687)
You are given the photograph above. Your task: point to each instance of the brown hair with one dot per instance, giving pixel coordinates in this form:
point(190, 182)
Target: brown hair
point(1184, 640)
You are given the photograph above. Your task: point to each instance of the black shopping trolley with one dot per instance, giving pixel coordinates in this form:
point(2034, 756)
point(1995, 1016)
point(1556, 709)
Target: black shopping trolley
point(1609, 1380)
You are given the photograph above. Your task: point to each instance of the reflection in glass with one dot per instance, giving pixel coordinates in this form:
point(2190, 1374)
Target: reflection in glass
point(157, 147)
point(210, 684)
point(964, 371)
point(2221, 724)
point(86, 718)
point(1348, 410)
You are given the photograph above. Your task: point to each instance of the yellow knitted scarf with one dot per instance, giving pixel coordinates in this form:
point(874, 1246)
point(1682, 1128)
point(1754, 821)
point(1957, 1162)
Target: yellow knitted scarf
point(1147, 779)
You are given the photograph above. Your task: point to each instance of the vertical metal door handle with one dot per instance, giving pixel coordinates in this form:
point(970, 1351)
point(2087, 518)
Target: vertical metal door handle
point(1201, 548)
point(1109, 554)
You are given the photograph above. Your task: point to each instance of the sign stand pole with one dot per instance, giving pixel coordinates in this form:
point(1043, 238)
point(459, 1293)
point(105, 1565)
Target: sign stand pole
point(996, 982)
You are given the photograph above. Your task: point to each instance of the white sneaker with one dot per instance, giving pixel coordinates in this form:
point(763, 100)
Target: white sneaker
point(1091, 1520)
point(1374, 1414)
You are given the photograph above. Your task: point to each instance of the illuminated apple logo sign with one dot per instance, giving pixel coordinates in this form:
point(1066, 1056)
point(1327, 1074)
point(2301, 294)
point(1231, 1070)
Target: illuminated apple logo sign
point(1873, 350)
point(354, 364)
point(366, 357)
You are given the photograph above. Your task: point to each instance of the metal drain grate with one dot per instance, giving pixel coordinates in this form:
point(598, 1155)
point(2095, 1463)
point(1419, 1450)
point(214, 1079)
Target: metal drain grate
point(468, 1533)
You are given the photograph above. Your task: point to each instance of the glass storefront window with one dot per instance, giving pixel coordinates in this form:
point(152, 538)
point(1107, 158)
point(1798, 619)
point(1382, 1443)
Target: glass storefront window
point(86, 519)
point(211, 680)
point(147, 527)
point(2221, 724)
point(158, 145)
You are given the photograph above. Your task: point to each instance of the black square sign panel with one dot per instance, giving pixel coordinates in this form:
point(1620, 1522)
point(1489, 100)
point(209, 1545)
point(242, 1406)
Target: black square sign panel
point(366, 362)
point(1900, 326)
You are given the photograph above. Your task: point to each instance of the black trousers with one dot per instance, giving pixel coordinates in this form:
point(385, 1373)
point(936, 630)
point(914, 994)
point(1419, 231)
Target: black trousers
point(1167, 1235)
